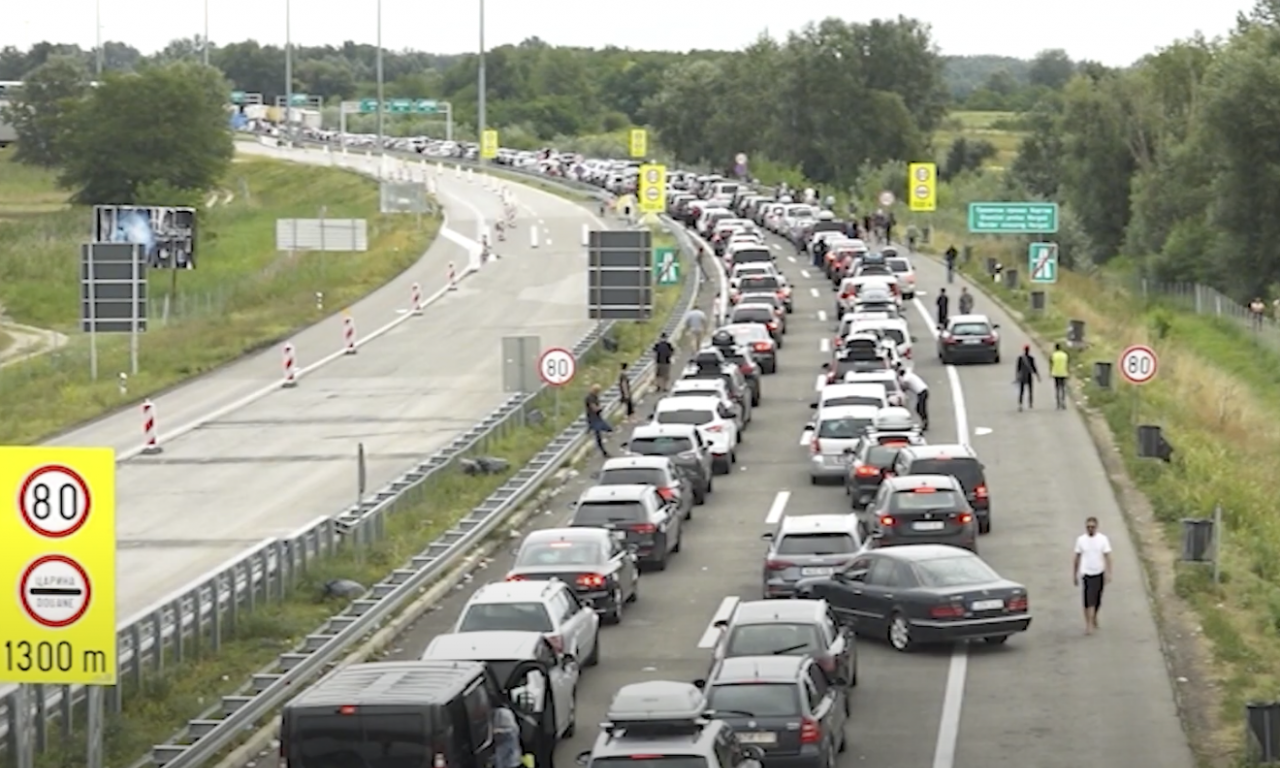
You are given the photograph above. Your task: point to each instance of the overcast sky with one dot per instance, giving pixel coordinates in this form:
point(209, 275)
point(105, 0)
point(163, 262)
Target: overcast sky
point(1113, 32)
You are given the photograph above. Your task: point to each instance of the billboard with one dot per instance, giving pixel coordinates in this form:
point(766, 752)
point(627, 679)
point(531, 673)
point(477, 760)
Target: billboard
point(167, 234)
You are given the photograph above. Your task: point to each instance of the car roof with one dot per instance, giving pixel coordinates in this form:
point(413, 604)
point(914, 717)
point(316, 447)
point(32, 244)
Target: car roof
point(920, 552)
point(969, 319)
point(636, 462)
point(389, 683)
point(767, 611)
point(484, 646)
point(690, 403)
point(765, 669)
point(846, 388)
point(567, 534)
point(615, 493)
point(850, 411)
point(794, 524)
point(515, 591)
point(943, 451)
point(909, 482)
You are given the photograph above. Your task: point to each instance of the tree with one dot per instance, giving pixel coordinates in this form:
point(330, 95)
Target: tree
point(184, 142)
point(1052, 69)
point(41, 111)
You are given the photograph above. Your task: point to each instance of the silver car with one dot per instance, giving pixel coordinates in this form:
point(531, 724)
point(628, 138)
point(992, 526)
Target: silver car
point(836, 431)
point(808, 546)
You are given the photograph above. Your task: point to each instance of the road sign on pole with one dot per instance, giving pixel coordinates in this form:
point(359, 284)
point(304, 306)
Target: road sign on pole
point(1042, 262)
point(666, 267)
point(923, 192)
point(1139, 364)
point(557, 366)
point(652, 190)
point(60, 552)
point(1013, 218)
point(638, 142)
point(886, 199)
point(489, 144)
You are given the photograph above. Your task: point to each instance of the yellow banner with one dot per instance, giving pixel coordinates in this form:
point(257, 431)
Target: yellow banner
point(59, 566)
point(652, 189)
point(638, 142)
point(922, 187)
point(489, 144)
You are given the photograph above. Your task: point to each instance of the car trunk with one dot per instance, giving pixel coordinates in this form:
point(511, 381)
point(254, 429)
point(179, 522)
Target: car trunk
point(567, 573)
point(626, 516)
point(926, 513)
point(966, 470)
point(807, 555)
point(774, 720)
point(835, 436)
point(368, 736)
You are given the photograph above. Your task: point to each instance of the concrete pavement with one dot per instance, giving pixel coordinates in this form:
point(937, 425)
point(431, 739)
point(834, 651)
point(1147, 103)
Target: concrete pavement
point(273, 465)
point(1051, 697)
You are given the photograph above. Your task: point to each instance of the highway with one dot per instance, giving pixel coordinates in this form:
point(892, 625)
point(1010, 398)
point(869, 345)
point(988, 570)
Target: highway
point(1051, 697)
point(271, 466)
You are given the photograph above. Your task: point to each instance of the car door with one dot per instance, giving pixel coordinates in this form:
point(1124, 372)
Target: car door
point(563, 675)
point(625, 561)
point(881, 589)
point(666, 519)
point(573, 624)
point(825, 704)
point(839, 645)
point(843, 591)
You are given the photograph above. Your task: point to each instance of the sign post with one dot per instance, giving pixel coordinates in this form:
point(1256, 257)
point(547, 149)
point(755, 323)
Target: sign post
point(489, 144)
point(638, 142)
point(923, 194)
point(1138, 365)
point(1013, 218)
point(652, 189)
point(557, 367)
point(1042, 262)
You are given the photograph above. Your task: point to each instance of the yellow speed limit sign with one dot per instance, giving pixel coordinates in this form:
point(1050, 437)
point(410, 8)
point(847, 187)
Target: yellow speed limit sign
point(652, 189)
point(59, 565)
point(922, 187)
point(489, 144)
point(638, 142)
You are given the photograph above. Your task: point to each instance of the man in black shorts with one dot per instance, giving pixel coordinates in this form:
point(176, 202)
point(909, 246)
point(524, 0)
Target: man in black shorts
point(1092, 568)
point(662, 354)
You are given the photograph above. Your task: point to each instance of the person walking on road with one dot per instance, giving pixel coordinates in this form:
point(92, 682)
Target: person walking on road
point(1059, 369)
point(1025, 374)
point(624, 393)
point(695, 322)
point(966, 301)
point(596, 422)
point(717, 309)
point(1258, 310)
point(1092, 567)
point(912, 383)
point(506, 739)
point(950, 257)
point(943, 303)
point(702, 269)
point(662, 354)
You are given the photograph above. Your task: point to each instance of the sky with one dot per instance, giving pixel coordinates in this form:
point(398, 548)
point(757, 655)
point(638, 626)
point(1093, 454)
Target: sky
point(1110, 31)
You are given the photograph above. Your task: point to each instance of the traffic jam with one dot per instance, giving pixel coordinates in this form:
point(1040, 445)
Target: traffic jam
point(877, 552)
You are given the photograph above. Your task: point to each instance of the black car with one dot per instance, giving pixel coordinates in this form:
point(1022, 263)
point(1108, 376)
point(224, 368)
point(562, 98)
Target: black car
point(645, 520)
point(921, 509)
point(929, 593)
point(749, 341)
point(959, 461)
point(872, 460)
point(746, 360)
point(969, 339)
point(595, 563)
point(787, 705)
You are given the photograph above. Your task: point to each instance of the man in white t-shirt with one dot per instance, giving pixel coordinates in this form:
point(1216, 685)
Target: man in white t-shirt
point(1092, 567)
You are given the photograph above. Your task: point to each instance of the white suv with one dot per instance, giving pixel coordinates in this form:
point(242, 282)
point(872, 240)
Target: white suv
point(713, 419)
point(549, 607)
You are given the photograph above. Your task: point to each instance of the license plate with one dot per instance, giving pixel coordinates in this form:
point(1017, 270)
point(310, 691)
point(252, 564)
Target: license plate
point(758, 738)
point(988, 605)
point(973, 341)
point(816, 571)
point(928, 525)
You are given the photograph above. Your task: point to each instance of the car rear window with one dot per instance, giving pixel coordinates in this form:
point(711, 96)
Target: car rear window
point(881, 456)
point(924, 499)
point(955, 572)
point(971, 329)
point(605, 512)
point(853, 400)
point(758, 699)
point(751, 255)
point(561, 553)
point(894, 333)
point(650, 761)
point(816, 544)
point(966, 470)
point(749, 333)
point(846, 428)
point(506, 617)
point(659, 446)
point(772, 639)
point(384, 740)
point(633, 476)
point(758, 282)
point(899, 265)
point(683, 416)
point(752, 315)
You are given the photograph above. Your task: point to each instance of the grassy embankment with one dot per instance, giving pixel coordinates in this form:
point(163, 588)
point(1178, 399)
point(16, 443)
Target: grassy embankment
point(985, 126)
point(1216, 400)
point(242, 296)
point(169, 699)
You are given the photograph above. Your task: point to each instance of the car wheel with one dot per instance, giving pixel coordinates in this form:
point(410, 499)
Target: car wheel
point(813, 479)
point(594, 658)
point(997, 358)
point(615, 616)
point(720, 466)
point(755, 398)
point(711, 486)
point(699, 498)
point(900, 633)
point(661, 565)
point(733, 457)
point(997, 640)
point(773, 368)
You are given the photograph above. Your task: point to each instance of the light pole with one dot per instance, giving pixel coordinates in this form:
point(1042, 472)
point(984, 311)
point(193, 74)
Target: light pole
point(382, 152)
point(205, 46)
point(98, 36)
point(481, 121)
point(288, 71)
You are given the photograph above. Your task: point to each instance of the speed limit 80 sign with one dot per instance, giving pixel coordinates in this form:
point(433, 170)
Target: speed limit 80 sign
point(1138, 364)
point(557, 366)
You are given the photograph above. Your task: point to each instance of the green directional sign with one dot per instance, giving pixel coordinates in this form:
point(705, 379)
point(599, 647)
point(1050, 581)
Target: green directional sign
point(1013, 218)
point(666, 266)
point(301, 99)
point(237, 97)
point(426, 106)
point(401, 106)
point(1042, 262)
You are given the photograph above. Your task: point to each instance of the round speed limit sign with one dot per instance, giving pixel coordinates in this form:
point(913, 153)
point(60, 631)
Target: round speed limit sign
point(54, 501)
point(557, 367)
point(1138, 364)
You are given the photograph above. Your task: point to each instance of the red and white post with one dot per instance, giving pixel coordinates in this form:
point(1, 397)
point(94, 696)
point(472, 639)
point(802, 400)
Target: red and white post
point(415, 299)
point(349, 334)
point(150, 437)
point(453, 278)
point(290, 367)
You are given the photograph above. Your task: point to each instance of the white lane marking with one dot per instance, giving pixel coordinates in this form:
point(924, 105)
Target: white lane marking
point(820, 383)
point(712, 633)
point(777, 247)
point(791, 259)
point(778, 508)
point(804, 273)
point(822, 315)
point(814, 293)
point(944, 753)
point(980, 431)
point(824, 345)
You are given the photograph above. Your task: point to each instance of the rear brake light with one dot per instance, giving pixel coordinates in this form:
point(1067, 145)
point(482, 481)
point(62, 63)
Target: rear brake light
point(950, 340)
point(828, 663)
point(746, 367)
point(591, 581)
point(867, 471)
point(644, 528)
point(924, 490)
point(667, 494)
point(762, 346)
point(988, 339)
point(815, 445)
point(1017, 604)
point(516, 577)
point(714, 428)
point(778, 565)
point(946, 611)
point(810, 731)
point(965, 518)
point(980, 491)
point(887, 521)
point(773, 325)
point(346, 709)
point(907, 353)
point(646, 757)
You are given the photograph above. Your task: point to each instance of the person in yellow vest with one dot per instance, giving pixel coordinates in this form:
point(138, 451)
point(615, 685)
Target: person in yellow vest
point(1059, 369)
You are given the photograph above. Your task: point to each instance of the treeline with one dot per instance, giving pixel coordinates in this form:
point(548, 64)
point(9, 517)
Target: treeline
point(1004, 84)
point(1174, 162)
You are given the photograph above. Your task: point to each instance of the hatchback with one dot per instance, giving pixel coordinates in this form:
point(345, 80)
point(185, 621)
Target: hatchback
point(959, 461)
point(922, 509)
point(805, 546)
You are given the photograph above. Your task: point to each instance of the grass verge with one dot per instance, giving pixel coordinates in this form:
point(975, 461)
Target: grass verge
point(242, 297)
point(1216, 400)
point(993, 127)
point(166, 701)
point(5, 341)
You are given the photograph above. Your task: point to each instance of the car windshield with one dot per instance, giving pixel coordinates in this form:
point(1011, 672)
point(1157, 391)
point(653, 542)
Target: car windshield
point(596, 513)
point(772, 639)
point(832, 543)
point(967, 471)
point(758, 283)
point(844, 428)
point(894, 333)
point(633, 476)
point(506, 617)
point(899, 265)
point(758, 699)
point(660, 446)
point(746, 333)
point(925, 499)
point(561, 553)
point(881, 456)
point(970, 329)
point(959, 571)
point(682, 416)
point(752, 315)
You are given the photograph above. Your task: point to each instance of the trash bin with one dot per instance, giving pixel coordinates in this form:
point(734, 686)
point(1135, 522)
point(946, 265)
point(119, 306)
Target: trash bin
point(1011, 279)
point(1263, 724)
point(1102, 375)
point(1039, 299)
point(1197, 540)
point(1075, 331)
point(991, 265)
point(967, 254)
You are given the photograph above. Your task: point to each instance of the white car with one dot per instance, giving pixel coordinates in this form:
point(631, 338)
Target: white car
point(751, 269)
point(835, 431)
point(707, 388)
point(855, 393)
point(892, 328)
point(548, 607)
point(905, 273)
point(717, 424)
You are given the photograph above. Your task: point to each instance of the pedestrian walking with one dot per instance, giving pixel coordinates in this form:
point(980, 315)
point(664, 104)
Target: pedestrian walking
point(506, 739)
point(717, 309)
point(1258, 310)
point(596, 422)
point(1091, 567)
point(702, 269)
point(950, 257)
point(1025, 373)
point(695, 322)
point(966, 301)
point(912, 383)
point(1059, 369)
point(662, 354)
point(943, 302)
point(624, 392)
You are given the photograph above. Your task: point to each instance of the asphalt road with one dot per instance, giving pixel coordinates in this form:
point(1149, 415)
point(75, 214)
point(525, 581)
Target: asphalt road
point(1052, 697)
point(276, 464)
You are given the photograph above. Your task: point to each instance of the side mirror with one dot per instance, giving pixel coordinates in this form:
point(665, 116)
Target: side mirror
point(840, 576)
point(700, 684)
point(767, 536)
point(583, 758)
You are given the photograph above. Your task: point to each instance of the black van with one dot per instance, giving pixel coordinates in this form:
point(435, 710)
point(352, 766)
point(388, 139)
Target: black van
point(419, 714)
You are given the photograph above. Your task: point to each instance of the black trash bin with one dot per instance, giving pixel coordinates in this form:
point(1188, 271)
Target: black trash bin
point(1075, 331)
point(1039, 299)
point(1263, 723)
point(1102, 375)
point(991, 265)
point(1197, 540)
point(1011, 279)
